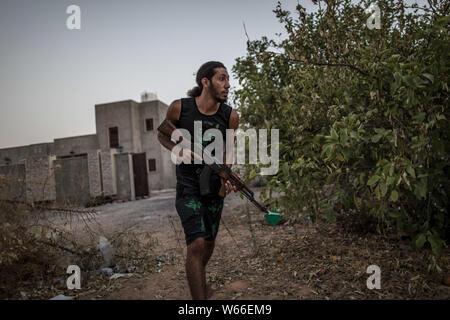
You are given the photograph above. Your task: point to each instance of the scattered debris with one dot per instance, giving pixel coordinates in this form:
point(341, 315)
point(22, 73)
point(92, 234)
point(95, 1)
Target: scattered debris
point(120, 275)
point(131, 268)
point(120, 268)
point(107, 271)
point(107, 251)
point(164, 258)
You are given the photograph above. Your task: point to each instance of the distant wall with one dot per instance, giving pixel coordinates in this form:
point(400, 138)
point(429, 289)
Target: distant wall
point(72, 181)
point(40, 179)
point(95, 176)
point(124, 176)
point(12, 182)
point(116, 114)
point(108, 171)
point(17, 154)
point(77, 145)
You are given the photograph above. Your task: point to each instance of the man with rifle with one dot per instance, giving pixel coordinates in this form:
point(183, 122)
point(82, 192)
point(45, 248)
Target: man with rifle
point(200, 210)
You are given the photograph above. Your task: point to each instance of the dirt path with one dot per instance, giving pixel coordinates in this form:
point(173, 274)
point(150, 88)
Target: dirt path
point(253, 260)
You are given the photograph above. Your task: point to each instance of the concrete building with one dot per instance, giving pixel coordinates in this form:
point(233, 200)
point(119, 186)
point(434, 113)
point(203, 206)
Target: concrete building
point(123, 160)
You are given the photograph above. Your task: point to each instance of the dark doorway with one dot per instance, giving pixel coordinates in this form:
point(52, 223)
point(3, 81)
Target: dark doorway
point(140, 175)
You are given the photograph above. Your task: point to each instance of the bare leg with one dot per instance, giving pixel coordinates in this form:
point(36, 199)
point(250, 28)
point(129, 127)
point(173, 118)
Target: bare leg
point(209, 248)
point(195, 269)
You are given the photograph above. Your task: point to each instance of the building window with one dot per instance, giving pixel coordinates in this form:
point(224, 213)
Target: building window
point(151, 165)
point(149, 124)
point(114, 137)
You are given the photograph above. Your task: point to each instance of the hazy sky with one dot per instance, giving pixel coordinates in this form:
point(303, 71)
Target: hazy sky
point(51, 77)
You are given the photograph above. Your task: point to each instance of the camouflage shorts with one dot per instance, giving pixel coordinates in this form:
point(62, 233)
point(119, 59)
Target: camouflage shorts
point(200, 215)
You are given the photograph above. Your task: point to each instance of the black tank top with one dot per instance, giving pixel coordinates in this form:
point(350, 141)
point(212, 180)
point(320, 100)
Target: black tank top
point(187, 174)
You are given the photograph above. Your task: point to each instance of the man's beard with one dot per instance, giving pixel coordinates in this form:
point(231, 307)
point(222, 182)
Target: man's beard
point(216, 94)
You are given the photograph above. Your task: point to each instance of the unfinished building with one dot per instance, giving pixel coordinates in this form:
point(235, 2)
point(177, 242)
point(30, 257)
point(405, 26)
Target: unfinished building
point(123, 160)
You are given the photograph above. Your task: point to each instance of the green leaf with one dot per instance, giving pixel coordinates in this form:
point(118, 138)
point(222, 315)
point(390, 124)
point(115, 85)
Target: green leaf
point(355, 201)
point(419, 117)
point(429, 77)
point(394, 195)
point(411, 171)
point(390, 181)
point(420, 241)
point(334, 134)
point(286, 169)
point(377, 192)
point(377, 137)
point(383, 189)
point(331, 177)
point(436, 245)
point(361, 177)
point(252, 174)
point(374, 179)
point(420, 189)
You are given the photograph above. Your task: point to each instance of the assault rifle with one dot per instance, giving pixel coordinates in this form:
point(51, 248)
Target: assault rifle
point(167, 128)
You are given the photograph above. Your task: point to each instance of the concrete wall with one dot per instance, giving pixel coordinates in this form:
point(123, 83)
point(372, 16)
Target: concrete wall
point(150, 143)
point(72, 180)
point(78, 145)
point(125, 177)
point(136, 128)
point(116, 114)
point(164, 176)
point(37, 165)
point(108, 171)
point(16, 154)
point(168, 173)
point(40, 179)
point(13, 182)
point(95, 176)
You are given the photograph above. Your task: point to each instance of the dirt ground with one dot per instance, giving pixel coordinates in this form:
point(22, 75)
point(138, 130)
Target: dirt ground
point(253, 260)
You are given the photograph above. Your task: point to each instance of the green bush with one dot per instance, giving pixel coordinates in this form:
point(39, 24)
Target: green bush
point(363, 112)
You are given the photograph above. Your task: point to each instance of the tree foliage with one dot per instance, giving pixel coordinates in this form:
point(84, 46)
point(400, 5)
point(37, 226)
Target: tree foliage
point(362, 111)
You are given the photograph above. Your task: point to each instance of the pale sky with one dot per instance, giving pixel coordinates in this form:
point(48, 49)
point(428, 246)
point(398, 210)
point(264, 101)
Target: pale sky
point(51, 77)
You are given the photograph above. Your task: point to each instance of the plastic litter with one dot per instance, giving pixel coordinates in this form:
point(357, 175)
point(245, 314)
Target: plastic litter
point(273, 217)
point(107, 271)
point(106, 249)
point(120, 275)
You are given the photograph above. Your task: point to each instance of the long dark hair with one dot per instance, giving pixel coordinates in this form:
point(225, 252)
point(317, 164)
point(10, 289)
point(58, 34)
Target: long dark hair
point(206, 70)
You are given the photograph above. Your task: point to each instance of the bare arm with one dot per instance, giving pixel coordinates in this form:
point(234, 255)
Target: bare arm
point(173, 114)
